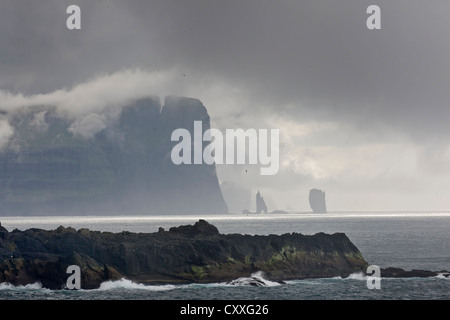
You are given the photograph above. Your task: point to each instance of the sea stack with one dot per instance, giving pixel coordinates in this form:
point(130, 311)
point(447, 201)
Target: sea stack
point(317, 201)
point(260, 204)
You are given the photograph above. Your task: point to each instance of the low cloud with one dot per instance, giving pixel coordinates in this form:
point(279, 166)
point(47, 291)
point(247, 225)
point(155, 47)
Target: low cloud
point(91, 105)
point(88, 126)
point(6, 132)
point(96, 94)
point(39, 122)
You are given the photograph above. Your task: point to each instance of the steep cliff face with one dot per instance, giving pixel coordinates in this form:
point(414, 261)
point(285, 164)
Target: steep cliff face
point(48, 167)
point(195, 185)
point(192, 253)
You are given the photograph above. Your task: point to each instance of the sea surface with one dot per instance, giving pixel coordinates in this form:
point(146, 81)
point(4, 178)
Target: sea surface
point(410, 240)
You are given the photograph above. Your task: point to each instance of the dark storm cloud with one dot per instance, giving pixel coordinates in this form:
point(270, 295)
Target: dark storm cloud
point(306, 61)
point(317, 56)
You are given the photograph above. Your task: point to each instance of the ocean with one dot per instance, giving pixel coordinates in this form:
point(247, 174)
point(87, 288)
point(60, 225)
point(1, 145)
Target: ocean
point(409, 240)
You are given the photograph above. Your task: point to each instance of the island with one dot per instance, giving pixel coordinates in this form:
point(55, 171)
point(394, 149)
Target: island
point(195, 253)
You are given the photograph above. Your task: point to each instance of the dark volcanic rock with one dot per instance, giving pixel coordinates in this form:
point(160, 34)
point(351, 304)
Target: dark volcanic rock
point(201, 228)
point(401, 273)
point(54, 165)
point(317, 201)
point(184, 254)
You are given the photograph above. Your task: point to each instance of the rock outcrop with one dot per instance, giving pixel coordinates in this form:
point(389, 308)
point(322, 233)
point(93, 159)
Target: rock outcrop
point(105, 163)
point(392, 272)
point(317, 201)
point(185, 254)
point(260, 204)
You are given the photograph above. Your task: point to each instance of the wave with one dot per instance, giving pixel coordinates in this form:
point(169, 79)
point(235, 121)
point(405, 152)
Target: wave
point(357, 276)
point(354, 276)
point(445, 276)
point(255, 280)
point(31, 286)
point(130, 285)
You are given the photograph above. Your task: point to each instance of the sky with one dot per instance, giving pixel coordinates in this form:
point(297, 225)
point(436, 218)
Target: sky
point(363, 114)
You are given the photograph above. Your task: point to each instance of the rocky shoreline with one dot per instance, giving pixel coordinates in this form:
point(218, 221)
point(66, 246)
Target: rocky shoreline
point(186, 254)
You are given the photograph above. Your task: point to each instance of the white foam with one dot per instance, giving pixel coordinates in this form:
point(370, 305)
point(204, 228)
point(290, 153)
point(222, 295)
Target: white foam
point(357, 276)
point(31, 286)
point(249, 281)
point(260, 276)
point(128, 284)
point(354, 276)
point(442, 276)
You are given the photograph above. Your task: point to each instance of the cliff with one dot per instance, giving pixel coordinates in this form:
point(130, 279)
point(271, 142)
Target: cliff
point(317, 201)
point(105, 163)
point(185, 254)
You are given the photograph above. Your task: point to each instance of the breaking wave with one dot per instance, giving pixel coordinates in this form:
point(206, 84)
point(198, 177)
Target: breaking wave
point(354, 276)
point(256, 280)
point(445, 276)
point(31, 286)
point(357, 276)
point(128, 284)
